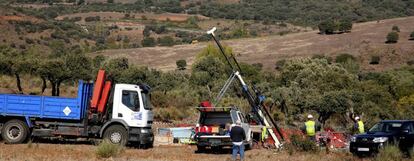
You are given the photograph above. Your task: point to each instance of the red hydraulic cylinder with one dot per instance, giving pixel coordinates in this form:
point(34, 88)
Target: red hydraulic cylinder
point(104, 97)
point(97, 89)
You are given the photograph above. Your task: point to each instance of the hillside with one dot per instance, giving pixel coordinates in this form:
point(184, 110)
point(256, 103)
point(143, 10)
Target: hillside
point(365, 40)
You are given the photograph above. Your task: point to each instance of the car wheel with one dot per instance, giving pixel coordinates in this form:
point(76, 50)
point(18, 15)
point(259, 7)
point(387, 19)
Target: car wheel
point(249, 145)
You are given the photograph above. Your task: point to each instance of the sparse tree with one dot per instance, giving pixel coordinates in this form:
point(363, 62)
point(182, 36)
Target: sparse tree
point(14, 63)
point(70, 66)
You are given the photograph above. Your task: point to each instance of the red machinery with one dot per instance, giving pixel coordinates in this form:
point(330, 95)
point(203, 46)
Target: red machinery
point(100, 93)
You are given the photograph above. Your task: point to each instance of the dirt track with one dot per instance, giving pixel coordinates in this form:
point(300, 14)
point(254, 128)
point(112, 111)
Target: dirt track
point(64, 152)
point(365, 40)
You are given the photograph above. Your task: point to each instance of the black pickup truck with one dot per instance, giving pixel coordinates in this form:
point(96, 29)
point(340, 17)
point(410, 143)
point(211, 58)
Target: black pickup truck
point(399, 132)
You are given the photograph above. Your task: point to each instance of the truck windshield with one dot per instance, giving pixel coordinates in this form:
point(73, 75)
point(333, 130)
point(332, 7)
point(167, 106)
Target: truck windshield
point(215, 118)
point(146, 101)
point(387, 127)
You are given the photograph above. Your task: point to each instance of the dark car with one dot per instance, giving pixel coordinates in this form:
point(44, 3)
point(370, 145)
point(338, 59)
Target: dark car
point(399, 132)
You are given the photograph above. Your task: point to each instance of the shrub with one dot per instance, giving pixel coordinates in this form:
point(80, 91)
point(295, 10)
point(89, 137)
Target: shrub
point(410, 62)
point(148, 42)
point(89, 19)
point(166, 41)
point(395, 28)
point(412, 36)
point(342, 58)
point(75, 19)
point(106, 149)
point(388, 153)
point(279, 64)
point(299, 143)
point(181, 64)
point(327, 58)
point(345, 26)
point(327, 27)
point(392, 37)
point(29, 41)
point(375, 60)
point(160, 29)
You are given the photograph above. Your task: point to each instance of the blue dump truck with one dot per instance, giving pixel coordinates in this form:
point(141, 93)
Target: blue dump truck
point(120, 113)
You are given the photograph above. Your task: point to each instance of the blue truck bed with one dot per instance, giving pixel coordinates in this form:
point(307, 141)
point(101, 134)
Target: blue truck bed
point(47, 107)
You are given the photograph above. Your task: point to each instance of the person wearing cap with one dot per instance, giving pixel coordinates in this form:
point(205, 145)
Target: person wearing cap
point(237, 137)
point(359, 125)
point(310, 128)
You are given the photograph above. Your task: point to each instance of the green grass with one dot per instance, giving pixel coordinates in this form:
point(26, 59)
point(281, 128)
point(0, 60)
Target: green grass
point(389, 153)
point(107, 149)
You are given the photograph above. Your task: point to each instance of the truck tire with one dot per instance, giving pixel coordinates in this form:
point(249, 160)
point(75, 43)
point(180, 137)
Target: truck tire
point(116, 134)
point(15, 132)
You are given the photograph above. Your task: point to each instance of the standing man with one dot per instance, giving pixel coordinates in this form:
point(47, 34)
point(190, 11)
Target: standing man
point(310, 128)
point(359, 125)
point(237, 136)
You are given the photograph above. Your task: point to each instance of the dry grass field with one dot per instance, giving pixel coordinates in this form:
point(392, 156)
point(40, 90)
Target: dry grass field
point(65, 152)
point(365, 40)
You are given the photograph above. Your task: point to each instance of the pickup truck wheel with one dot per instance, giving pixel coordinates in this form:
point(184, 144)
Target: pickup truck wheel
point(116, 134)
point(201, 148)
point(249, 145)
point(15, 132)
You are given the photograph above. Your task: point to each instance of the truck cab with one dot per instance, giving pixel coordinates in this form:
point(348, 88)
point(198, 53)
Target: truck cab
point(120, 113)
point(132, 108)
point(214, 125)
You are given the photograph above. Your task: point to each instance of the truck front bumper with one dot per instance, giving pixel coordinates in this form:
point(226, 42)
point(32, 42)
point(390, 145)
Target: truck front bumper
point(136, 136)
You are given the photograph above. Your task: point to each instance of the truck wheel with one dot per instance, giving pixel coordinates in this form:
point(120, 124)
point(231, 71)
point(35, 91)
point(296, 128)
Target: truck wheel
point(116, 134)
point(15, 132)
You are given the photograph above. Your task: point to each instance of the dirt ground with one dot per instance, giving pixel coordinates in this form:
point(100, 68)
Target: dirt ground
point(365, 40)
point(65, 152)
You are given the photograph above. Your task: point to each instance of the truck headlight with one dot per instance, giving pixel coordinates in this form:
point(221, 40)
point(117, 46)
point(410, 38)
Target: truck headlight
point(353, 139)
point(144, 131)
point(380, 139)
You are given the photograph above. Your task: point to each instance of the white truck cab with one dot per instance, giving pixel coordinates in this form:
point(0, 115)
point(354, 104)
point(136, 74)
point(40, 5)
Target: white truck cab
point(131, 109)
point(132, 105)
